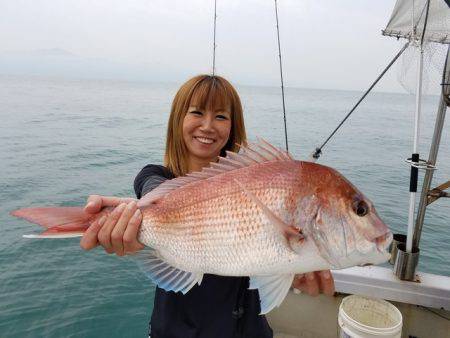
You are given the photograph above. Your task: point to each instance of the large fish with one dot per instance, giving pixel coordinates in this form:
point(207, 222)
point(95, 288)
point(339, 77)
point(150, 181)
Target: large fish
point(258, 213)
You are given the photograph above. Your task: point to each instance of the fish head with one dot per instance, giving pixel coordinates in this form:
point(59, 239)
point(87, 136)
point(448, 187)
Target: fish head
point(345, 225)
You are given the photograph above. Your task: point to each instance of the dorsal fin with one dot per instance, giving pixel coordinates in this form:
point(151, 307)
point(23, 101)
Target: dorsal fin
point(249, 155)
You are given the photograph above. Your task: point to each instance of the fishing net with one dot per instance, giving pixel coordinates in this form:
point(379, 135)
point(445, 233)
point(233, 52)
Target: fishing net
point(433, 64)
point(417, 20)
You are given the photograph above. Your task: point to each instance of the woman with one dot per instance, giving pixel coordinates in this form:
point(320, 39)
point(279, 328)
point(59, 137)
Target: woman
point(206, 120)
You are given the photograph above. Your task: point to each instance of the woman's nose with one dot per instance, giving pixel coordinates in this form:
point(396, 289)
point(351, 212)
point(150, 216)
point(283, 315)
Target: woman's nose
point(207, 123)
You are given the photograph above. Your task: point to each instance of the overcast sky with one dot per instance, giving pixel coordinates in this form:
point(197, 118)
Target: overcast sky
point(325, 43)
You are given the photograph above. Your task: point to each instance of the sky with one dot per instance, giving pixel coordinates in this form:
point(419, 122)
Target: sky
point(325, 43)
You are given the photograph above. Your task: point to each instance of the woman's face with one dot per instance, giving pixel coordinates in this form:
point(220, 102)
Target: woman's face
point(205, 133)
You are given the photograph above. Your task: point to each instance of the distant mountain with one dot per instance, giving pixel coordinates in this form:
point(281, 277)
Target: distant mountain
point(62, 63)
point(39, 52)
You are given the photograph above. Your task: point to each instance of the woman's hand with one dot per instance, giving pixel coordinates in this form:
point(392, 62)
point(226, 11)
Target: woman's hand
point(116, 232)
point(314, 283)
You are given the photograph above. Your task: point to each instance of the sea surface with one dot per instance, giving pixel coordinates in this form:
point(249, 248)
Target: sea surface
point(61, 140)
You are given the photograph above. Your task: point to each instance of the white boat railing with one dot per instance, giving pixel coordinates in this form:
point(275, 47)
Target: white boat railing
point(374, 281)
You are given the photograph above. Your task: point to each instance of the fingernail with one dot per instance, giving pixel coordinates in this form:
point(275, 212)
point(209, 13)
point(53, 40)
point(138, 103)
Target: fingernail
point(120, 207)
point(90, 204)
point(300, 276)
point(102, 220)
point(297, 291)
point(310, 276)
point(136, 215)
point(131, 205)
point(326, 274)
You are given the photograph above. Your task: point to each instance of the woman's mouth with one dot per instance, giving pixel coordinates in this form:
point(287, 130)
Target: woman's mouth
point(204, 140)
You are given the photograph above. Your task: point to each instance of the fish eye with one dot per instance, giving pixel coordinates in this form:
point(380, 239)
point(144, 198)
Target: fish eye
point(361, 208)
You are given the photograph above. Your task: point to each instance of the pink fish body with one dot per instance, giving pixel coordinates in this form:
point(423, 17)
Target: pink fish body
point(261, 214)
point(215, 225)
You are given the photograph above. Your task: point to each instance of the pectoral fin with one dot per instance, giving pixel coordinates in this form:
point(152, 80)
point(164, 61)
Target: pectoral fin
point(287, 230)
point(272, 289)
point(164, 275)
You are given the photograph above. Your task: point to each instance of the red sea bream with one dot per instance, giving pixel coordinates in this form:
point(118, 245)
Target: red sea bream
point(258, 213)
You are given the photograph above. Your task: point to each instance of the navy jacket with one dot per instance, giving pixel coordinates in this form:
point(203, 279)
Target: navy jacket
point(221, 307)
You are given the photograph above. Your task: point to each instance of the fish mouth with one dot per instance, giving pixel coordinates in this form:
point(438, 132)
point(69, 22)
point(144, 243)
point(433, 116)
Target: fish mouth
point(382, 242)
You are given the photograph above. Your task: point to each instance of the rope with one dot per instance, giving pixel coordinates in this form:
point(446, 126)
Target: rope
point(281, 76)
point(318, 151)
point(214, 41)
point(425, 23)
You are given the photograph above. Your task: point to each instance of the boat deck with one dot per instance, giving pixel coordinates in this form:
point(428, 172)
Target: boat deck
point(303, 316)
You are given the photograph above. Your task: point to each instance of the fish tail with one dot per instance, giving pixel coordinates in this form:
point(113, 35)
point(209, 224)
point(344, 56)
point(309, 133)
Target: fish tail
point(59, 222)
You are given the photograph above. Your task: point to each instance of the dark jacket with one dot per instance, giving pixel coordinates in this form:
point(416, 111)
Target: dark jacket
point(221, 307)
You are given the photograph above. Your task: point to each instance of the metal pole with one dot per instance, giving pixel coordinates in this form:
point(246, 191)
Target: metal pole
point(433, 152)
point(415, 155)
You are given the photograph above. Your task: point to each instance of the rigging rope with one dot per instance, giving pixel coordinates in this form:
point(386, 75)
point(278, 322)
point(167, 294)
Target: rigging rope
point(281, 76)
point(214, 41)
point(425, 23)
point(318, 151)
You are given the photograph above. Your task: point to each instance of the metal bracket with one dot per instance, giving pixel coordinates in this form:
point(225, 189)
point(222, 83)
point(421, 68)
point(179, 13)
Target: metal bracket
point(438, 192)
point(422, 164)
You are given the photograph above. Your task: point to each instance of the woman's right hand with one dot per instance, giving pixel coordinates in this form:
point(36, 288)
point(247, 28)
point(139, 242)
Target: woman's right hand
point(116, 232)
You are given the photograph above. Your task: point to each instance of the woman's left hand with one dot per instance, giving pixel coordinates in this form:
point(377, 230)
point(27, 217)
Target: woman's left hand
point(314, 283)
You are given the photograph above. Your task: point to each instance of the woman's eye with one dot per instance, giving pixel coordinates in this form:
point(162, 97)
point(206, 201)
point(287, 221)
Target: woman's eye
point(222, 117)
point(196, 112)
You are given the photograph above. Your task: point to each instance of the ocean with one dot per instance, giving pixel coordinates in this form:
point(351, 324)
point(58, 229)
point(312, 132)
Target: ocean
point(62, 140)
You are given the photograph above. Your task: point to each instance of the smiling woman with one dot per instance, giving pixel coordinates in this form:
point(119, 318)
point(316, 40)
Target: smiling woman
point(206, 120)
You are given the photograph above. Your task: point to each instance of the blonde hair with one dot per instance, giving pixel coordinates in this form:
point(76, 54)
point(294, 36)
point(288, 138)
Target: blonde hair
point(205, 92)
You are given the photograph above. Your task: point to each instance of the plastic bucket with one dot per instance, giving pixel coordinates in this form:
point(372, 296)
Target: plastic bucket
point(361, 317)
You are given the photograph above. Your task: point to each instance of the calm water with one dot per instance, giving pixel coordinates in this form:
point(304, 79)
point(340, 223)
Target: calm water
point(63, 140)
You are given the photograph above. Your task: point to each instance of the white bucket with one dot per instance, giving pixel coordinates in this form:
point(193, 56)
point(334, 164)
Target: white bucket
point(361, 317)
